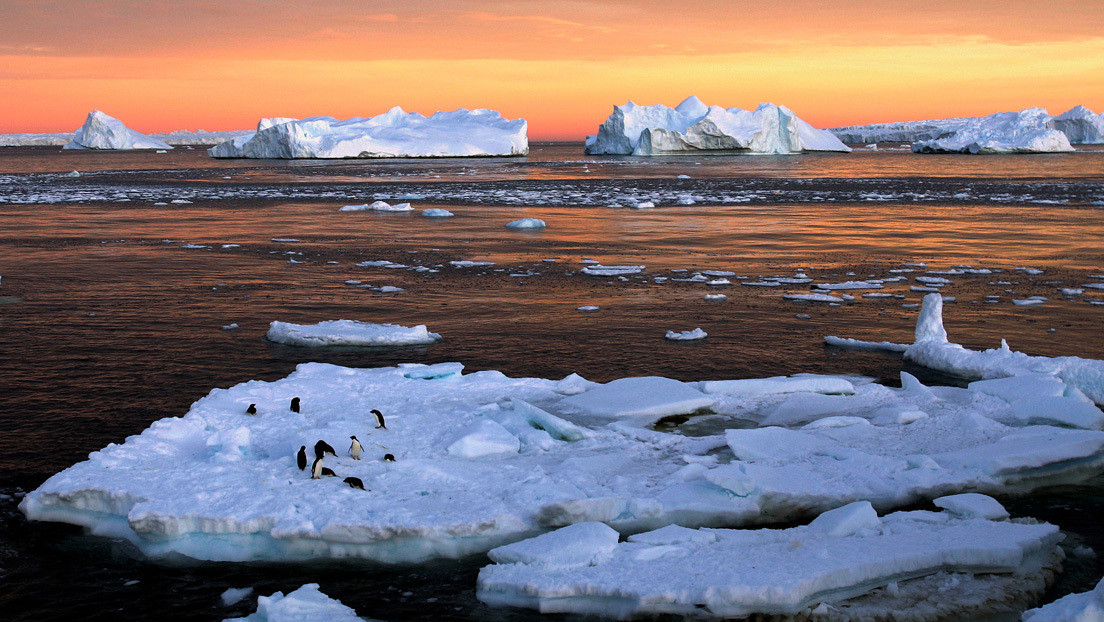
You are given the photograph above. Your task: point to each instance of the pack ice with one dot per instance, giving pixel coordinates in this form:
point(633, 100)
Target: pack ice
point(101, 131)
point(694, 127)
point(827, 568)
point(482, 459)
point(393, 134)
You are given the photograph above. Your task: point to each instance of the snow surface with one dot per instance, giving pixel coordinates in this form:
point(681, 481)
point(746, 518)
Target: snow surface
point(306, 604)
point(845, 553)
point(217, 484)
point(101, 131)
point(349, 333)
point(693, 127)
point(393, 134)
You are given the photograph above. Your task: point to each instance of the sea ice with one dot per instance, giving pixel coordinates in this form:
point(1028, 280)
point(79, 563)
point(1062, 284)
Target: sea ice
point(1081, 126)
point(393, 134)
point(101, 131)
point(648, 398)
point(349, 333)
point(233, 596)
point(1083, 607)
point(435, 212)
point(377, 206)
point(696, 128)
point(842, 556)
point(1027, 131)
point(526, 223)
point(686, 335)
point(600, 270)
point(307, 603)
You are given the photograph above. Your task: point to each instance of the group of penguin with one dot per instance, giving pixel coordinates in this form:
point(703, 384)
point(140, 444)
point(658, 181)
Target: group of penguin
point(321, 448)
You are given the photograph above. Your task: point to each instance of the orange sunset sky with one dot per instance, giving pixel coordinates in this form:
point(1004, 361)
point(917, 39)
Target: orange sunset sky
point(562, 65)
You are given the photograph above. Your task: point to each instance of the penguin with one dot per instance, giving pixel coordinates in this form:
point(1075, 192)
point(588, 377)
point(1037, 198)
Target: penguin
point(354, 482)
point(317, 468)
point(327, 472)
point(301, 457)
point(355, 448)
point(388, 457)
point(379, 419)
point(321, 448)
point(294, 404)
point(252, 410)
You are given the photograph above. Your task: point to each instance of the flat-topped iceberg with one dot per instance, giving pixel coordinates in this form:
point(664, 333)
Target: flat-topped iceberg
point(101, 131)
point(693, 127)
point(482, 459)
point(349, 333)
point(828, 565)
point(305, 603)
point(393, 134)
point(1027, 131)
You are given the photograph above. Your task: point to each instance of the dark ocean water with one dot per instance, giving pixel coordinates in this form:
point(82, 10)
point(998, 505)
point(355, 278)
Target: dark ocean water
point(112, 307)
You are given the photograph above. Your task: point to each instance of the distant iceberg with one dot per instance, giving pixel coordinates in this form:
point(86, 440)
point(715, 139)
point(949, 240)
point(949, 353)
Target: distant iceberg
point(349, 333)
point(393, 134)
point(1027, 131)
point(695, 128)
point(101, 131)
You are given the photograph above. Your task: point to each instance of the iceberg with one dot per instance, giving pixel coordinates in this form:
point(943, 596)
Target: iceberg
point(305, 603)
point(482, 460)
point(693, 127)
point(393, 134)
point(101, 131)
point(1027, 131)
point(1081, 125)
point(348, 333)
point(831, 565)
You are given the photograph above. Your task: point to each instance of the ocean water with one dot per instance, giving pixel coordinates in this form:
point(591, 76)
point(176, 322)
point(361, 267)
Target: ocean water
point(116, 286)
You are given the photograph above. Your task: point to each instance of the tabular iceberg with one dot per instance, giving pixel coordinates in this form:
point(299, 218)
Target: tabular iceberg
point(393, 134)
point(101, 131)
point(1027, 131)
point(696, 128)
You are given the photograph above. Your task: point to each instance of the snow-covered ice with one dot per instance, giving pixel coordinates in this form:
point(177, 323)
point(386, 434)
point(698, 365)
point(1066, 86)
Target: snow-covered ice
point(846, 553)
point(600, 270)
point(377, 206)
point(393, 134)
point(686, 335)
point(1027, 131)
point(1083, 607)
point(526, 223)
point(233, 596)
point(307, 603)
point(693, 127)
point(1081, 125)
point(436, 212)
point(349, 333)
point(101, 131)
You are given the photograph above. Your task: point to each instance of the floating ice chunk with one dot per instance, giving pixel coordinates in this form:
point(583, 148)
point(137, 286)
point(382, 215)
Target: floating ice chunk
point(485, 438)
point(849, 520)
point(972, 505)
point(694, 127)
point(809, 297)
point(936, 281)
point(845, 342)
point(581, 544)
point(470, 264)
point(393, 134)
point(648, 397)
point(776, 385)
point(1030, 302)
point(794, 569)
point(234, 596)
point(101, 131)
point(850, 285)
point(377, 206)
point(686, 335)
point(1020, 387)
point(600, 270)
point(73, 174)
point(588, 308)
point(435, 212)
point(526, 223)
point(231, 326)
point(716, 297)
point(349, 333)
point(1083, 607)
point(305, 603)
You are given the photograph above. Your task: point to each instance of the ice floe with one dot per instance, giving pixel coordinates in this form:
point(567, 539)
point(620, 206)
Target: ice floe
point(101, 131)
point(305, 603)
point(526, 223)
point(696, 128)
point(600, 270)
point(825, 566)
point(393, 134)
point(377, 206)
point(436, 212)
point(349, 333)
point(686, 335)
point(1083, 607)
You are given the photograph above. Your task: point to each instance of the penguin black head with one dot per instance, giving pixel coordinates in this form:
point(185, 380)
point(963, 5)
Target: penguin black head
point(354, 438)
point(252, 410)
point(294, 404)
point(354, 482)
point(388, 457)
point(379, 419)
